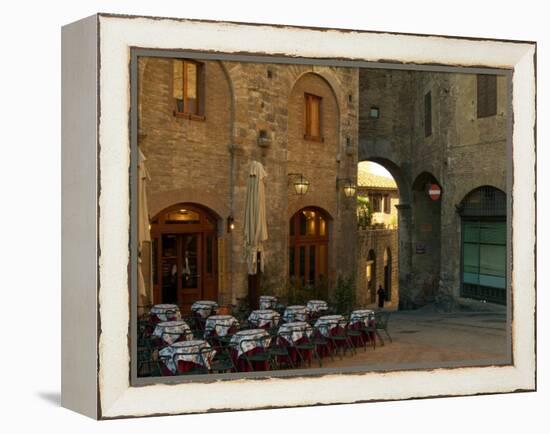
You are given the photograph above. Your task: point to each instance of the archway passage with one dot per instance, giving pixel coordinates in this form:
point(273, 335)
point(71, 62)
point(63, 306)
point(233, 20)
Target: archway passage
point(381, 229)
point(308, 246)
point(483, 215)
point(185, 265)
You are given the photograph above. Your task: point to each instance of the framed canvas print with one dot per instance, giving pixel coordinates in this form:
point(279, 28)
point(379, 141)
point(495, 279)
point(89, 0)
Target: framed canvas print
point(261, 216)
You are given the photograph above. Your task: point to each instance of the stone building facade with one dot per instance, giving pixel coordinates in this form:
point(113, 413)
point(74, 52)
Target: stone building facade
point(426, 128)
point(377, 265)
point(447, 129)
point(382, 195)
point(198, 164)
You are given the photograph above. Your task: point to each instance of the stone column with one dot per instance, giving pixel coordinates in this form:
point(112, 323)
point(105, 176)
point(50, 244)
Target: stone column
point(405, 253)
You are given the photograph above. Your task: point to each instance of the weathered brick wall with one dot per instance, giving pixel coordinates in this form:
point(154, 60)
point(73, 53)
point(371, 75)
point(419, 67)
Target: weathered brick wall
point(378, 240)
point(462, 153)
point(207, 161)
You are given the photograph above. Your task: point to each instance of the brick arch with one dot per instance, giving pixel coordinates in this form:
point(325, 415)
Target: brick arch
point(314, 201)
point(331, 82)
point(465, 196)
point(397, 173)
point(160, 201)
point(483, 180)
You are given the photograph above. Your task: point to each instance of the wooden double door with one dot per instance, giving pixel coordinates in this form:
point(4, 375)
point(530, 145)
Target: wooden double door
point(185, 260)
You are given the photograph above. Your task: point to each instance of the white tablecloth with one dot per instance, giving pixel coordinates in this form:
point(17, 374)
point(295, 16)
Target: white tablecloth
point(267, 302)
point(220, 324)
point(363, 315)
point(171, 331)
point(326, 323)
point(253, 338)
point(264, 317)
point(188, 351)
point(294, 331)
point(295, 313)
point(165, 312)
point(204, 308)
point(316, 305)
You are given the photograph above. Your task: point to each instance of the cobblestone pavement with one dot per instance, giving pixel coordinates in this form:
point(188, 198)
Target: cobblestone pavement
point(423, 339)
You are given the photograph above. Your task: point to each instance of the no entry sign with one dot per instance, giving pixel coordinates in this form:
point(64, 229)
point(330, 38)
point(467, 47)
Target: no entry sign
point(434, 191)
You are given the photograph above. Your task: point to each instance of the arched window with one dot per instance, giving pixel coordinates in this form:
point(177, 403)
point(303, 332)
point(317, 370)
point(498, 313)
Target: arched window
point(308, 246)
point(483, 214)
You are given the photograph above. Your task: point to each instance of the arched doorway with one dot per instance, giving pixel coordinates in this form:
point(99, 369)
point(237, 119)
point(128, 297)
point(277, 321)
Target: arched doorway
point(185, 265)
point(308, 246)
point(483, 215)
point(371, 275)
point(387, 273)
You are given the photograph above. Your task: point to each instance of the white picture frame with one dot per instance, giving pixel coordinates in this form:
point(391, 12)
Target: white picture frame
point(96, 354)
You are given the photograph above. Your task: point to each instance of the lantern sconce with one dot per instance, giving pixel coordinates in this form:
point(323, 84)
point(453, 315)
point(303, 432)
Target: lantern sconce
point(230, 224)
point(349, 187)
point(301, 184)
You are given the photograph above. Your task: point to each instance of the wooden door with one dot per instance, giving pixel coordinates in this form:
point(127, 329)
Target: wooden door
point(210, 266)
point(190, 270)
point(185, 256)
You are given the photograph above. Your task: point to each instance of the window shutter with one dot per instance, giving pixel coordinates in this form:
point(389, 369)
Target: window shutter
point(312, 116)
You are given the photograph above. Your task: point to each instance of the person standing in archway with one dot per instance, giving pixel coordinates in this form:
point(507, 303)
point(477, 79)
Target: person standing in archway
point(381, 296)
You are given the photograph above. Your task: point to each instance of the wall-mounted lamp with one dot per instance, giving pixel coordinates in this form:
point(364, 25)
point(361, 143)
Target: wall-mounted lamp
point(230, 224)
point(349, 187)
point(301, 184)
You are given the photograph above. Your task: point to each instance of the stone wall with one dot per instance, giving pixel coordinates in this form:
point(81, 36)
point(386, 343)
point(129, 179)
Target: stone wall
point(207, 161)
point(462, 153)
point(379, 241)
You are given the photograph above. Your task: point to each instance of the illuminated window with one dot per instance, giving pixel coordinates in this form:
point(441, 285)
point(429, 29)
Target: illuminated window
point(308, 246)
point(187, 88)
point(312, 117)
point(184, 216)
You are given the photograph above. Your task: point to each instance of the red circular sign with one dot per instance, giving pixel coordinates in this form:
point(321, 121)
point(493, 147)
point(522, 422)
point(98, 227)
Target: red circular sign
point(434, 191)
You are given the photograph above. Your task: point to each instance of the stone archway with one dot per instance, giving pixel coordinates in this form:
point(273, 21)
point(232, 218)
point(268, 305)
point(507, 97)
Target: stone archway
point(400, 276)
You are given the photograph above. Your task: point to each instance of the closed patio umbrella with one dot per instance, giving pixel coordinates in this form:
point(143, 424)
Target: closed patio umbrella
point(255, 225)
point(144, 234)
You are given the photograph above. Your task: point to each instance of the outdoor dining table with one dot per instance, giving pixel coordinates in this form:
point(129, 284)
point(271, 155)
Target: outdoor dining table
point(187, 354)
point(293, 333)
point(204, 308)
point(360, 318)
point(326, 325)
point(267, 302)
point(264, 318)
point(164, 312)
point(255, 339)
point(316, 306)
point(295, 313)
point(173, 331)
point(220, 325)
